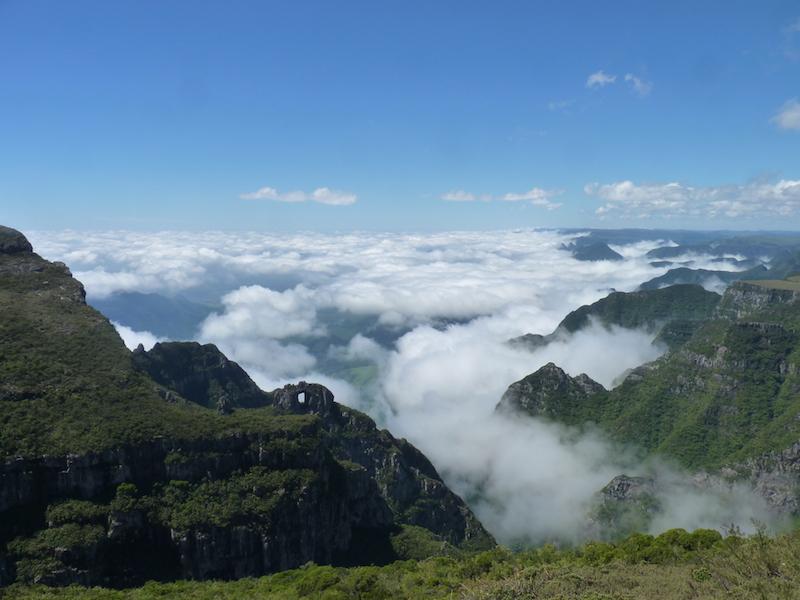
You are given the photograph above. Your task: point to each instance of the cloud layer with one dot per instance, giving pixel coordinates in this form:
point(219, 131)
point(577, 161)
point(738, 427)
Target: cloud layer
point(422, 322)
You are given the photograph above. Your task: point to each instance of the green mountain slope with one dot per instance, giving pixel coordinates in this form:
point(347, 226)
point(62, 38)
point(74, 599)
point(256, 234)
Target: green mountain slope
point(730, 393)
point(672, 313)
point(120, 467)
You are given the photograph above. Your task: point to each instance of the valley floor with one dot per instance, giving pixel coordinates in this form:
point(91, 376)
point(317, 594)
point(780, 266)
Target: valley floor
point(674, 565)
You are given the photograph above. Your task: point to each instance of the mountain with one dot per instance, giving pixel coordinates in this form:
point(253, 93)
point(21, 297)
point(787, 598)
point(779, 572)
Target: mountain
point(784, 261)
point(748, 247)
point(201, 374)
point(591, 251)
point(122, 467)
point(550, 393)
point(729, 395)
point(688, 276)
point(671, 313)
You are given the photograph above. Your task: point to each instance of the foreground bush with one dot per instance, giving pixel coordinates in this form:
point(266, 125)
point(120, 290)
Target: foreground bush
point(673, 565)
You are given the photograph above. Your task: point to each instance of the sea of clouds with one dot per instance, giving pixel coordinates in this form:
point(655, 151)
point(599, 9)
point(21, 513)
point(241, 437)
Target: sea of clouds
point(437, 310)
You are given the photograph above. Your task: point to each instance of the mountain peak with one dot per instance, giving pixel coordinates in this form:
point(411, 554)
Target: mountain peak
point(13, 241)
point(547, 391)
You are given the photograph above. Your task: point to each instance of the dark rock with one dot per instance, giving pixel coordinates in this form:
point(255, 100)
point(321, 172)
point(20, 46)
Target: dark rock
point(530, 341)
point(12, 241)
point(200, 374)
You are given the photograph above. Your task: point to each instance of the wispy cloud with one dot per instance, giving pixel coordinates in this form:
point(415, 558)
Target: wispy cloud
point(788, 117)
point(640, 86)
point(600, 79)
point(560, 105)
point(535, 196)
point(459, 196)
point(627, 198)
point(323, 195)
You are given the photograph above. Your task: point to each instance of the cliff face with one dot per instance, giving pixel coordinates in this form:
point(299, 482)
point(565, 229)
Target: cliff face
point(726, 401)
point(200, 374)
point(743, 299)
point(121, 467)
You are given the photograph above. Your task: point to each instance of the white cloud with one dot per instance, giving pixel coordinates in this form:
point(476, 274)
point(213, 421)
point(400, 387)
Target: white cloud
point(323, 195)
point(781, 199)
point(133, 338)
point(535, 196)
point(561, 105)
point(437, 385)
point(788, 117)
point(600, 79)
point(459, 196)
point(640, 86)
point(258, 312)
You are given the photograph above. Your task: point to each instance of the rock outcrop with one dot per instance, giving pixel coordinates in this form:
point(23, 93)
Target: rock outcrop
point(549, 392)
point(200, 374)
point(13, 242)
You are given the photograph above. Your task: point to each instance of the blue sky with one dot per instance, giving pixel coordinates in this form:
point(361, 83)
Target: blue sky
point(163, 115)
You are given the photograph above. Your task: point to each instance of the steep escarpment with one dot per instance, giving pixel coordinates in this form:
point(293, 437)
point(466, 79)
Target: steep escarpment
point(730, 394)
point(119, 467)
point(671, 313)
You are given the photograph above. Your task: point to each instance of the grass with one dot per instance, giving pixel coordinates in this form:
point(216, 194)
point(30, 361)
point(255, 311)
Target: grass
point(67, 384)
point(727, 394)
point(675, 565)
point(790, 283)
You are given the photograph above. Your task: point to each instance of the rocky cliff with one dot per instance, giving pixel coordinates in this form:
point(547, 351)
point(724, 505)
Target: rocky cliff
point(120, 467)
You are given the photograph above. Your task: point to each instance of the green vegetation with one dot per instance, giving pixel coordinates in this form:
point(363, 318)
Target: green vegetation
point(325, 486)
point(727, 394)
point(673, 565)
point(243, 499)
point(651, 308)
point(81, 512)
point(790, 283)
point(67, 384)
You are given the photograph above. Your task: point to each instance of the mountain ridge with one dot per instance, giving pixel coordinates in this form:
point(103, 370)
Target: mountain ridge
point(112, 477)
